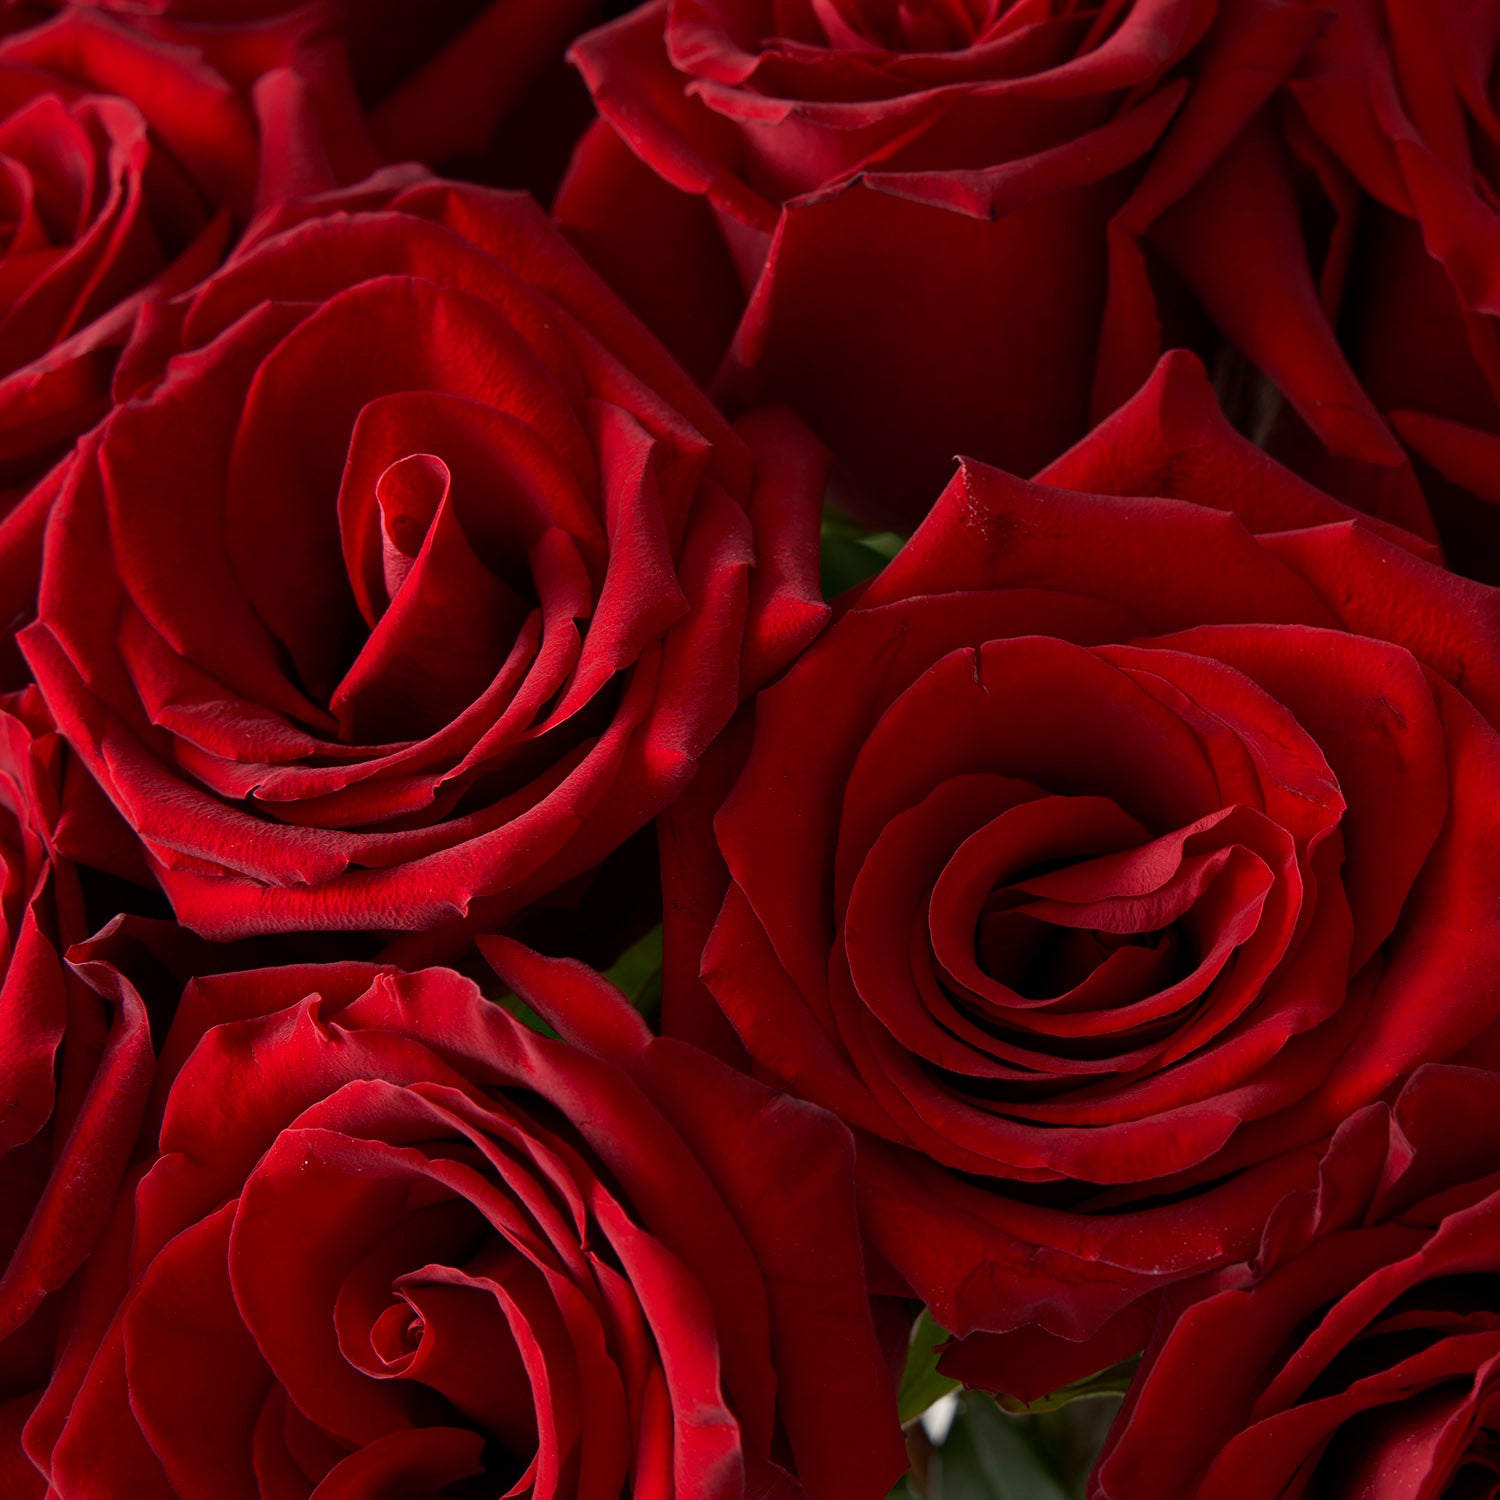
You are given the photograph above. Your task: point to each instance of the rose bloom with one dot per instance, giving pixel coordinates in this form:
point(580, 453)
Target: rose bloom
point(129, 160)
point(419, 577)
point(476, 87)
point(863, 201)
point(446, 82)
point(390, 1241)
point(75, 1072)
point(1359, 1354)
point(1400, 99)
point(1125, 834)
point(1347, 243)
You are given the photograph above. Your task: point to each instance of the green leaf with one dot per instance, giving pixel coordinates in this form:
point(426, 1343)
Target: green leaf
point(990, 1456)
point(637, 973)
point(523, 1013)
point(921, 1385)
point(1111, 1382)
point(853, 554)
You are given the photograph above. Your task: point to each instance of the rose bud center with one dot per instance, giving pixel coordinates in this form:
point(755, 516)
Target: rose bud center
point(431, 555)
point(435, 1311)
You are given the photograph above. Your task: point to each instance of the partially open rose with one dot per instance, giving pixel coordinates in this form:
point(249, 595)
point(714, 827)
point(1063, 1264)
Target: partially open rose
point(1348, 243)
point(918, 222)
point(393, 1243)
point(478, 87)
point(75, 1072)
point(1402, 100)
point(427, 577)
point(127, 162)
point(1131, 829)
point(1358, 1356)
point(445, 82)
point(130, 159)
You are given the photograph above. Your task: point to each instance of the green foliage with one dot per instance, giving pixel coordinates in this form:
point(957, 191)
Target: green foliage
point(853, 554)
point(989, 1454)
point(523, 1013)
point(998, 1448)
point(1111, 1382)
point(921, 1385)
point(637, 973)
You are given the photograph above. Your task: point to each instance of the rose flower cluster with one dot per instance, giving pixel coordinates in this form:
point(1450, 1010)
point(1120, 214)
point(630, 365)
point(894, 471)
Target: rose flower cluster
point(749, 750)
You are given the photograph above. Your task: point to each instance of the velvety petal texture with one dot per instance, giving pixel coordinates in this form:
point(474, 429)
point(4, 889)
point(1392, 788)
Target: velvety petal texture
point(428, 574)
point(389, 1241)
point(1401, 98)
point(75, 1072)
point(1348, 243)
point(131, 153)
point(1358, 1354)
point(1112, 846)
point(477, 85)
point(921, 223)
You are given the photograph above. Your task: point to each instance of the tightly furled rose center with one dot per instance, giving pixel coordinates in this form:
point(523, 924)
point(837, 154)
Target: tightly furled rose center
point(1040, 904)
point(42, 208)
point(91, 209)
point(447, 485)
point(427, 550)
point(426, 1314)
point(1099, 938)
point(1120, 941)
point(897, 25)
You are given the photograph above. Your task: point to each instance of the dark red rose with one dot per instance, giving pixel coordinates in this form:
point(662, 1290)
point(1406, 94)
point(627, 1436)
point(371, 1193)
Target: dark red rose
point(452, 83)
point(420, 578)
point(1125, 834)
point(473, 84)
point(75, 1072)
point(918, 222)
point(1347, 243)
point(1358, 1355)
point(394, 1243)
point(1400, 100)
point(129, 160)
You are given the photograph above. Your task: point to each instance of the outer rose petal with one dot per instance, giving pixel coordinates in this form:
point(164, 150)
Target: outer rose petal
point(833, 1379)
point(825, 159)
point(1404, 1205)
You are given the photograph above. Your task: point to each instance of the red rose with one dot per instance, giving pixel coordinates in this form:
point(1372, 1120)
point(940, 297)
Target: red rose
point(917, 222)
point(1397, 96)
point(1359, 1355)
point(473, 83)
point(129, 159)
point(1347, 243)
point(445, 82)
point(75, 1071)
point(392, 1239)
point(1105, 853)
point(428, 575)
point(128, 163)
